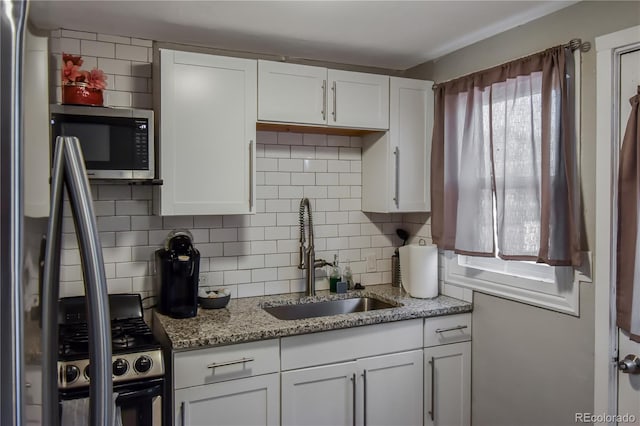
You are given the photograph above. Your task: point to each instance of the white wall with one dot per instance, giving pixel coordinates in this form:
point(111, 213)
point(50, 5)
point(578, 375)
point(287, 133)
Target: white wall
point(532, 366)
point(251, 254)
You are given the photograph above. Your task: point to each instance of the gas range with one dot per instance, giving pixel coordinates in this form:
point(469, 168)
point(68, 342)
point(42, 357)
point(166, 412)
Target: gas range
point(136, 355)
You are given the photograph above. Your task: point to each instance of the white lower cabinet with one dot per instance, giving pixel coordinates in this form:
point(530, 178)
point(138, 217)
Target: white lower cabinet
point(447, 371)
point(410, 373)
point(319, 395)
point(381, 390)
point(241, 402)
point(391, 389)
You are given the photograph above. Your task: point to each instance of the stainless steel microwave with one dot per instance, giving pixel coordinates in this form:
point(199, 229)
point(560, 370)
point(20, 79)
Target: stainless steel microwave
point(117, 143)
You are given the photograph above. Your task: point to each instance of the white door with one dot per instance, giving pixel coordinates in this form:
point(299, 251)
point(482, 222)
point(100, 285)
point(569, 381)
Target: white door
point(447, 385)
point(628, 384)
point(319, 396)
point(358, 100)
point(243, 402)
point(391, 389)
point(292, 93)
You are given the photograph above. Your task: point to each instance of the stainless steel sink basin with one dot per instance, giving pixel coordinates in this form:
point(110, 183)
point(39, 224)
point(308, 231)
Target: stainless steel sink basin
point(327, 308)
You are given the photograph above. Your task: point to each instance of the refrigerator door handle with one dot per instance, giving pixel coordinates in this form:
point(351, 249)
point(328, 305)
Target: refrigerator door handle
point(99, 322)
point(69, 170)
point(50, 291)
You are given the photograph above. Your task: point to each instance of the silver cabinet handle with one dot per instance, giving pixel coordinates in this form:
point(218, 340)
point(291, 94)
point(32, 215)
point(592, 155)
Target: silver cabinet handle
point(364, 395)
point(335, 94)
point(184, 413)
point(225, 363)
point(396, 199)
point(353, 383)
point(457, 327)
point(27, 385)
point(324, 100)
point(432, 412)
point(250, 175)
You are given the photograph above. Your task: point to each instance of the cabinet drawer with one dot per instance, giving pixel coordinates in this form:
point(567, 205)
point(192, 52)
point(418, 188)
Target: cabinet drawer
point(202, 366)
point(447, 329)
point(350, 343)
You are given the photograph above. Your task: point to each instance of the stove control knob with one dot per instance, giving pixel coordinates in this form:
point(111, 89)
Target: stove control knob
point(120, 366)
point(143, 364)
point(86, 371)
point(71, 373)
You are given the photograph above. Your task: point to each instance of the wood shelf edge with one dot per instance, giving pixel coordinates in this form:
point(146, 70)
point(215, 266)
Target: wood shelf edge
point(302, 128)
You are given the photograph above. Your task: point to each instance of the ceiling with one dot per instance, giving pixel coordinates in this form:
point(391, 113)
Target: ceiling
point(386, 34)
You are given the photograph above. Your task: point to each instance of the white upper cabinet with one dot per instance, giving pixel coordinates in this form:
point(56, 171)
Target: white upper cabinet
point(37, 141)
point(292, 93)
point(207, 135)
point(301, 94)
point(358, 100)
point(396, 164)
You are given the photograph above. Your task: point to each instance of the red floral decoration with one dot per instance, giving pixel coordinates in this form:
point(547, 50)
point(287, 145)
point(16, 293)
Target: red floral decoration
point(71, 73)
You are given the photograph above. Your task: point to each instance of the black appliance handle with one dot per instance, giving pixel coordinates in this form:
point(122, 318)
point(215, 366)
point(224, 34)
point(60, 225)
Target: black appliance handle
point(137, 394)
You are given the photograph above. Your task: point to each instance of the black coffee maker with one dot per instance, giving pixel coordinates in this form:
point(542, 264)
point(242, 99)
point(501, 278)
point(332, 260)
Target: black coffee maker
point(178, 268)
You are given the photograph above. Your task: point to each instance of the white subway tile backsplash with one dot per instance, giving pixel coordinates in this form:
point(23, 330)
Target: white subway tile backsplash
point(141, 69)
point(132, 207)
point(133, 53)
point(223, 235)
point(132, 238)
point(308, 152)
point(78, 34)
point(251, 234)
point(144, 253)
point(275, 205)
point(114, 39)
point(277, 178)
point(132, 269)
point(263, 247)
point(175, 222)
point(303, 178)
point(314, 139)
point(114, 223)
point(327, 153)
point(314, 166)
point(267, 138)
point(210, 249)
point(267, 164)
point(130, 84)
point(277, 151)
point(327, 179)
point(114, 192)
point(290, 192)
point(338, 191)
point(264, 274)
point(289, 138)
point(119, 285)
point(290, 165)
point(114, 66)
point(278, 259)
point(67, 45)
point(141, 42)
point(237, 249)
point(340, 141)
point(276, 287)
point(289, 273)
point(207, 221)
point(237, 277)
point(251, 262)
point(226, 263)
point(336, 166)
point(251, 290)
point(97, 48)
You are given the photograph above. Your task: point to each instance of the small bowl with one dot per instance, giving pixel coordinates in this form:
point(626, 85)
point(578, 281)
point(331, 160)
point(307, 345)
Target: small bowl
point(213, 302)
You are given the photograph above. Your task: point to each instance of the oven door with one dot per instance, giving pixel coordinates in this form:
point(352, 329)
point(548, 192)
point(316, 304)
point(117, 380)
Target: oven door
point(141, 405)
point(137, 404)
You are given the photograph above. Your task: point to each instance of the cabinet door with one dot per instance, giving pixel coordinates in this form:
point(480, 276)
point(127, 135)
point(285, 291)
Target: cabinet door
point(392, 389)
point(207, 133)
point(319, 396)
point(358, 100)
point(292, 93)
point(447, 385)
point(242, 402)
point(411, 123)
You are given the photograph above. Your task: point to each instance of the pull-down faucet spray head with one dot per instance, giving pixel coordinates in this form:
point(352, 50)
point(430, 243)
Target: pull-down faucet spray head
point(305, 205)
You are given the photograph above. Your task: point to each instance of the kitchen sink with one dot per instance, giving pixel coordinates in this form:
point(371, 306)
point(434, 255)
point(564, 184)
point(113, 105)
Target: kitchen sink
point(328, 308)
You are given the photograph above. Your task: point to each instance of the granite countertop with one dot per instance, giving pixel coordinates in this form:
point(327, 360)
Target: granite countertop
point(244, 320)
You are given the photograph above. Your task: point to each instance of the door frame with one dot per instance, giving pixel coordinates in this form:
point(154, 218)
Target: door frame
point(609, 49)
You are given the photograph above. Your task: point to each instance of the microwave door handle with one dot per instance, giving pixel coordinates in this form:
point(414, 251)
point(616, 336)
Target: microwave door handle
point(99, 323)
point(50, 290)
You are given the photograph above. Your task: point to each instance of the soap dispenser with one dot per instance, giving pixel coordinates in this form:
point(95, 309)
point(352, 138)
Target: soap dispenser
point(348, 276)
point(336, 275)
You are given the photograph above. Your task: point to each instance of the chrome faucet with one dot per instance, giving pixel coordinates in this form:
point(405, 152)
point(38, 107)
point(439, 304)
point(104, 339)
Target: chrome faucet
point(308, 260)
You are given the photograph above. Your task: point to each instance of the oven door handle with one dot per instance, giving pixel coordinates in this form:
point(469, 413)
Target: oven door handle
point(141, 393)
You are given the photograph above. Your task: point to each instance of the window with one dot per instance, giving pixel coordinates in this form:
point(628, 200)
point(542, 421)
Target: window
point(505, 181)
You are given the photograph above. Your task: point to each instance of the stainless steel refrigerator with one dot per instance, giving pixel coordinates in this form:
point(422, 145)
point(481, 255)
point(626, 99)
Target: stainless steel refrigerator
point(67, 173)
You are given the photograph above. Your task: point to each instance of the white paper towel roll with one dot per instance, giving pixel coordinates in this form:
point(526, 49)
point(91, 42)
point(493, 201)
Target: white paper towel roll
point(419, 270)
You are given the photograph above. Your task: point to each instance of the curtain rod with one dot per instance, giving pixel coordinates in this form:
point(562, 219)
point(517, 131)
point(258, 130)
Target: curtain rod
point(574, 44)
